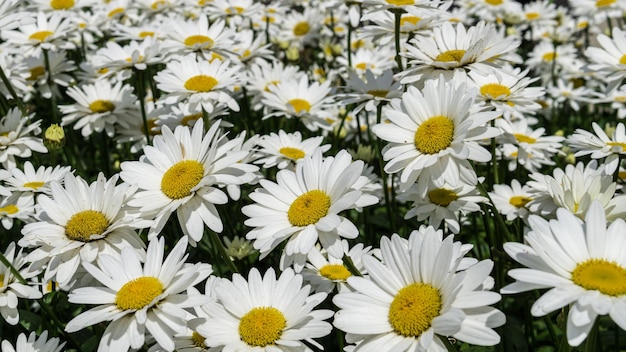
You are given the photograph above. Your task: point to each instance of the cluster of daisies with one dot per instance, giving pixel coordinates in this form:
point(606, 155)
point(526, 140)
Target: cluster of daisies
point(370, 175)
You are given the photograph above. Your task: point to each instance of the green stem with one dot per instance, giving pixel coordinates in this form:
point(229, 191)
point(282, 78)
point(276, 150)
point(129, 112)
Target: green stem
point(349, 264)
point(141, 95)
point(591, 344)
point(398, 17)
point(53, 98)
point(7, 83)
point(14, 271)
point(449, 346)
point(383, 174)
point(221, 251)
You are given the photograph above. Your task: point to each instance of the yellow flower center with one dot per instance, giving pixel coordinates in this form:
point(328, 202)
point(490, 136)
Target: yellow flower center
point(193, 117)
point(82, 225)
point(138, 293)
point(40, 36)
point(413, 309)
point(412, 20)
point(519, 201)
point(434, 135)
point(34, 184)
point(181, 178)
point(400, 2)
point(300, 105)
point(115, 11)
point(308, 208)
point(451, 55)
point(442, 196)
point(198, 340)
point(61, 4)
point(495, 90)
point(602, 275)
point(549, 56)
point(201, 40)
point(522, 138)
point(622, 175)
point(9, 209)
point(532, 16)
point(158, 4)
point(617, 144)
point(200, 83)
point(262, 326)
point(622, 60)
point(145, 34)
point(380, 93)
point(335, 272)
point(494, 2)
point(101, 106)
point(152, 127)
point(1, 280)
point(234, 10)
point(604, 3)
point(361, 65)
point(36, 72)
point(292, 153)
point(301, 28)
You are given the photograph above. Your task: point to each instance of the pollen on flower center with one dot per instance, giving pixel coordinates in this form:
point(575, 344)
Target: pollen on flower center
point(138, 293)
point(262, 326)
point(292, 153)
point(549, 56)
point(413, 309)
point(36, 72)
point(442, 196)
point(494, 2)
point(308, 208)
point(335, 272)
point(82, 225)
point(604, 3)
point(495, 90)
point(198, 340)
point(300, 105)
point(34, 184)
point(101, 106)
point(1, 280)
point(617, 144)
point(115, 11)
point(380, 93)
point(301, 28)
point(532, 16)
point(451, 55)
point(9, 209)
point(522, 138)
point(602, 275)
point(201, 83)
point(434, 135)
point(198, 39)
point(40, 36)
point(519, 201)
point(145, 34)
point(409, 19)
point(400, 2)
point(181, 178)
point(61, 4)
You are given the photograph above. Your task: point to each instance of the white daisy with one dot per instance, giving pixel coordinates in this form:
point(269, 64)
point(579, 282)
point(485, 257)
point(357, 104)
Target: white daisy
point(285, 149)
point(179, 173)
point(580, 262)
point(91, 220)
point(418, 290)
point(48, 32)
point(529, 142)
point(99, 107)
point(18, 137)
point(201, 82)
point(512, 200)
point(369, 92)
point(34, 343)
point(599, 145)
point(266, 314)
point(434, 132)
point(304, 205)
point(16, 206)
point(136, 54)
point(136, 297)
point(197, 36)
point(11, 289)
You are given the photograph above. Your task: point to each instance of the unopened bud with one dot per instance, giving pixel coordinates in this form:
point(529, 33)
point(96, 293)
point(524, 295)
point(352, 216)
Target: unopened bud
point(54, 137)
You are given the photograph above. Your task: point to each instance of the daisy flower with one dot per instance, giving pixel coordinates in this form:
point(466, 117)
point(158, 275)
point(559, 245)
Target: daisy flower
point(599, 145)
point(99, 107)
point(197, 36)
point(434, 132)
point(580, 262)
point(136, 54)
point(377, 60)
point(529, 142)
point(180, 173)
point(92, 220)
point(285, 149)
point(419, 289)
point(136, 297)
point(34, 343)
point(564, 92)
point(11, 289)
point(369, 92)
point(200, 82)
point(16, 206)
point(37, 81)
point(300, 28)
point(48, 32)
point(266, 314)
point(304, 205)
point(512, 200)
point(298, 98)
point(17, 137)
point(263, 74)
point(547, 57)
point(443, 204)
point(457, 49)
point(324, 272)
point(610, 59)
